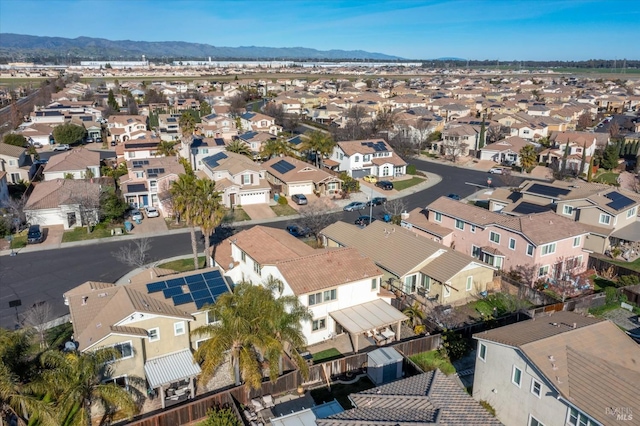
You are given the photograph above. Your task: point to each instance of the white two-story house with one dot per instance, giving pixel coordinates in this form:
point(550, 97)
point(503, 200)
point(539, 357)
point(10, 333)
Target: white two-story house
point(149, 180)
point(256, 122)
point(368, 157)
point(77, 163)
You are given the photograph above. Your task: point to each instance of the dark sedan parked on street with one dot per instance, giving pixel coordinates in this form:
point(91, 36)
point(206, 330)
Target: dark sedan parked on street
point(385, 184)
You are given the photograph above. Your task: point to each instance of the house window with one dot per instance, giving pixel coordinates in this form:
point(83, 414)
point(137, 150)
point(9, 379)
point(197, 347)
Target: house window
point(632, 212)
point(534, 422)
point(473, 229)
point(204, 151)
point(385, 171)
point(315, 299)
point(246, 179)
point(153, 184)
point(139, 175)
point(605, 219)
point(469, 283)
point(366, 158)
point(410, 283)
point(15, 177)
point(494, 237)
point(568, 210)
point(459, 224)
point(125, 349)
point(576, 241)
point(447, 290)
point(330, 295)
point(211, 318)
point(548, 249)
point(154, 334)
point(476, 251)
point(243, 256)
point(543, 271)
point(132, 154)
point(536, 388)
point(482, 352)
point(576, 418)
point(356, 158)
point(374, 284)
point(319, 324)
point(256, 268)
point(200, 342)
point(529, 250)
point(426, 283)
point(118, 381)
point(438, 217)
point(178, 328)
point(512, 243)
point(516, 376)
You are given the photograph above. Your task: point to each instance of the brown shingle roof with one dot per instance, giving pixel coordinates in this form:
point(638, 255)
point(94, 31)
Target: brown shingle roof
point(417, 218)
point(59, 192)
point(11, 150)
point(326, 269)
point(269, 245)
point(357, 147)
point(76, 159)
point(303, 172)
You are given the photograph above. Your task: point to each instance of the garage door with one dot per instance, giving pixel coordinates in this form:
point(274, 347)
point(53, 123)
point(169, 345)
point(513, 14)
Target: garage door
point(360, 173)
point(252, 198)
point(305, 189)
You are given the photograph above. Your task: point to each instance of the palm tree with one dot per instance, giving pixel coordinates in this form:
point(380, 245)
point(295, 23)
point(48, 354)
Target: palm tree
point(275, 147)
point(166, 149)
point(320, 143)
point(75, 381)
point(186, 205)
point(210, 212)
point(415, 314)
point(187, 123)
point(239, 147)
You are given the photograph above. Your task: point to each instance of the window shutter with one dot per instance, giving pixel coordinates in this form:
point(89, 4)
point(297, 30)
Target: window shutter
point(251, 178)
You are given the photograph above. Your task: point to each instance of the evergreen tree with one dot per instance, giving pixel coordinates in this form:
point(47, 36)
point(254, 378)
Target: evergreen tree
point(111, 101)
point(634, 150)
point(483, 130)
point(590, 171)
point(583, 162)
point(563, 167)
point(610, 157)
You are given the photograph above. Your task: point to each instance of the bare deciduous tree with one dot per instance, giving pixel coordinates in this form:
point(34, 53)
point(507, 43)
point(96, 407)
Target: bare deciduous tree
point(237, 105)
point(395, 208)
point(453, 148)
point(495, 133)
point(86, 195)
point(136, 254)
point(315, 216)
point(37, 316)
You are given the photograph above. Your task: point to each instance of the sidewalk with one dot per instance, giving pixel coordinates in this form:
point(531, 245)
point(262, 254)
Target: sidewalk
point(432, 180)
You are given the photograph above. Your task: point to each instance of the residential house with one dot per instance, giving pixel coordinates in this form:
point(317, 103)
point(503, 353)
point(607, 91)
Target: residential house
point(199, 148)
point(465, 136)
point(293, 176)
point(331, 283)
point(77, 163)
point(15, 162)
point(169, 127)
point(544, 245)
point(257, 122)
point(240, 180)
point(37, 133)
point(67, 202)
point(581, 147)
point(506, 150)
point(368, 157)
point(124, 127)
point(559, 369)
point(414, 264)
point(430, 398)
point(150, 324)
point(142, 147)
point(255, 140)
point(218, 126)
point(148, 181)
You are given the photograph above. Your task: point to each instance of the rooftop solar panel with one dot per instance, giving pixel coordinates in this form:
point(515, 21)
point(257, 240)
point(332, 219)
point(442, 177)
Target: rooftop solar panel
point(548, 191)
point(181, 299)
point(283, 166)
point(201, 302)
point(216, 282)
point(620, 204)
point(200, 285)
point(175, 282)
point(155, 287)
point(201, 294)
point(614, 195)
point(194, 278)
point(172, 291)
point(211, 274)
point(529, 208)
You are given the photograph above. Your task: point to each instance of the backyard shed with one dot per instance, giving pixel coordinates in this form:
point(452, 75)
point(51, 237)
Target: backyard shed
point(384, 365)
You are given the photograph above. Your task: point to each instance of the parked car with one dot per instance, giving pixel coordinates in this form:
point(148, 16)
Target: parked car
point(298, 231)
point(385, 184)
point(35, 235)
point(62, 147)
point(353, 206)
point(152, 211)
point(364, 220)
point(37, 145)
point(370, 178)
point(98, 140)
point(377, 201)
point(454, 197)
point(113, 143)
point(299, 199)
point(136, 215)
point(496, 170)
point(89, 140)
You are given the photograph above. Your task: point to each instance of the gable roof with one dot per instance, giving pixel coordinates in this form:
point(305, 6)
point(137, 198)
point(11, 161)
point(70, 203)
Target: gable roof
point(296, 171)
point(52, 194)
point(75, 159)
point(326, 268)
point(573, 352)
point(364, 146)
point(11, 150)
point(232, 162)
point(428, 398)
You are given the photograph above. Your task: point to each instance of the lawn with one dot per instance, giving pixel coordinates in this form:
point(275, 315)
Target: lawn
point(431, 360)
point(284, 210)
point(19, 240)
point(326, 355)
point(341, 392)
point(182, 265)
point(236, 215)
point(399, 185)
point(608, 178)
point(635, 265)
point(80, 233)
point(600, 283)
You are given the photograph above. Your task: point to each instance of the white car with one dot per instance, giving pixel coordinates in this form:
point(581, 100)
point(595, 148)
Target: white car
point(62, 147)
point(152, 212)
point(136, 215)
point(496, 170)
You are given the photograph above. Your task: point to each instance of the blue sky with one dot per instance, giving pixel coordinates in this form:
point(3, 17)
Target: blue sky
point(504, 30)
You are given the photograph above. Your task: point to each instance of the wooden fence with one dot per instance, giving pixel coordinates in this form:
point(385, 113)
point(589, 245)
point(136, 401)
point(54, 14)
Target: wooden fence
point(600, 262)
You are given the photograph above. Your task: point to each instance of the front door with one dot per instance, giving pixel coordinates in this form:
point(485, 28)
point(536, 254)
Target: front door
point(232, 200)
point(71, 219)
point(145, 201)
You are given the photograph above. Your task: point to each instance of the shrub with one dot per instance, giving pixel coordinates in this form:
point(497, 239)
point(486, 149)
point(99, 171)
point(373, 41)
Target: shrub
point(282, 200)
point(411, 169)
point(611, 295)
point(221, 417)
point(454, 345)
point(626, 280)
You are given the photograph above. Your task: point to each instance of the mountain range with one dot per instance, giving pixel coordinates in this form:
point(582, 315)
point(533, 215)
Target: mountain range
point(33, 48)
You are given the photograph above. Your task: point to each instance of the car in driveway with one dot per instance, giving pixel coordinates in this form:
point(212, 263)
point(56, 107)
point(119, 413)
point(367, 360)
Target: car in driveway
point(496, 170)
point(62, 147)
point(299, 199)
point(364, 220)
point(34, 236)
point(454, 197)
point(151, 211)
point(298, 231)
point(385, 184)
point(136, 215)
point(377, 201)
point(37, 145)
point(354, 205)
point(370, 178)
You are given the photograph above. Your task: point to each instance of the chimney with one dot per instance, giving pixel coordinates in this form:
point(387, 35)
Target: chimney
point(575, 325)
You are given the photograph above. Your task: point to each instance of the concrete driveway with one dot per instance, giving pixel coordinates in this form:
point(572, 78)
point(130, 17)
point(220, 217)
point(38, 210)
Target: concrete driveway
point(149, 225)
point(52, 235)
point(259, 211)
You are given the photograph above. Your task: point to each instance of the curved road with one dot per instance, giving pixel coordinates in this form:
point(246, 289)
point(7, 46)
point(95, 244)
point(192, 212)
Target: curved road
point(45, 275)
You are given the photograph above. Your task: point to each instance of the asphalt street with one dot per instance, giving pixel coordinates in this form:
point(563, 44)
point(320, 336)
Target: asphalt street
point(39, 276)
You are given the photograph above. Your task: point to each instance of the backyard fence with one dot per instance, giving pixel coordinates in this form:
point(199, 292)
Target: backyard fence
point(600, 262)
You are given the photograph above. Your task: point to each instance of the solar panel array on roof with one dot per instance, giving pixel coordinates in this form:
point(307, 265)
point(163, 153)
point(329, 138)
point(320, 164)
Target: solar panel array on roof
point(283, 166)
point(529, 208)
point(203, 288)
point(136, 187)
point(137, 164)
point(377, 146)
point(618, 201)
point(130, 120)
point(219, 141)
point(213, 160)
point(547, 191)
point(154, 172)
point(171, 120)
point(140, 145)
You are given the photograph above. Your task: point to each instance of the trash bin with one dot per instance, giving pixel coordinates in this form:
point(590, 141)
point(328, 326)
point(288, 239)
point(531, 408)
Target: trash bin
point(128, 226)
point(138, 221)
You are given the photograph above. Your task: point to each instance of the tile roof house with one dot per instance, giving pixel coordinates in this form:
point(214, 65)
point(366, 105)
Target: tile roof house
point(79, 163)
point(414, 264)
point(124, 127)
point(426, 399)
point(15, 162)
point(328, 281)
point(507, 150)
point(257, 122)
point(240, 180)
point(148, 181)
point(559, 369)
point(297, 177)
point(198, 148)
point(544, 244)
point(67, 202)
point(368, 157)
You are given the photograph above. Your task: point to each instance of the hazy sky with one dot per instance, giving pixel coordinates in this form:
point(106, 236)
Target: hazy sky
point(472, 29)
